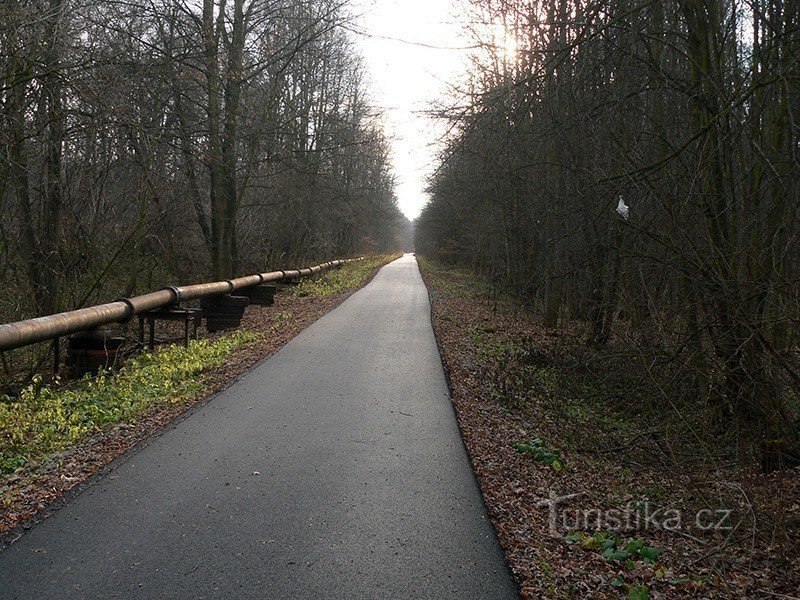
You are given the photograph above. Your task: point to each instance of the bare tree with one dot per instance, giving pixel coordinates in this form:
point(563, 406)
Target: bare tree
point(635, 166)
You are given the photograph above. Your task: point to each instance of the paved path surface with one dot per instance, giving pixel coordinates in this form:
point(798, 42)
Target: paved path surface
point(333, 470)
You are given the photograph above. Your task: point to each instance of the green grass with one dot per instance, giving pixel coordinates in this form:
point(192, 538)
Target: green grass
point(281, 319)
point(45, 420)
point(347, 277)
point(458, 282)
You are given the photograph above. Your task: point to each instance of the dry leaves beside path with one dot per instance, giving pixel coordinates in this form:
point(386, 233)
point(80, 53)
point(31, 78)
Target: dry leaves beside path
point(529, 441)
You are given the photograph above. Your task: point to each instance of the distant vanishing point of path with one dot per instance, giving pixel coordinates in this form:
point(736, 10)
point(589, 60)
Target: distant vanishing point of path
point(332, 470)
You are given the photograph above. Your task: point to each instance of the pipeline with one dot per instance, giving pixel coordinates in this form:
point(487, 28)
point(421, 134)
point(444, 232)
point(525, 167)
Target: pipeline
point(40, 329)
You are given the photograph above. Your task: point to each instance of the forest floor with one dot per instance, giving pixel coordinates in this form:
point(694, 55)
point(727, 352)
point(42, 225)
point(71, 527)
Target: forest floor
point(592, 495)
point(42, 478)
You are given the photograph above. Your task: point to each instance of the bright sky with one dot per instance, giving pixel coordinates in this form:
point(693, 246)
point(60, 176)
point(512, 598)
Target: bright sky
point(409, 46)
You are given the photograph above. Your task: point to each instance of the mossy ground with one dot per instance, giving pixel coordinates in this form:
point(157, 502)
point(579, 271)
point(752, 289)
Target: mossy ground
point(46, 419)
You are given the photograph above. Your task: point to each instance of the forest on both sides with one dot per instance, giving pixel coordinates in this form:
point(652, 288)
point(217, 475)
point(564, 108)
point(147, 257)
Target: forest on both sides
point(634, 168)
point(156, 143)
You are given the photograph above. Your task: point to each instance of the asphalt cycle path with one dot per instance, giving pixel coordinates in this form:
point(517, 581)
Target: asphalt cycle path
point(334, 469)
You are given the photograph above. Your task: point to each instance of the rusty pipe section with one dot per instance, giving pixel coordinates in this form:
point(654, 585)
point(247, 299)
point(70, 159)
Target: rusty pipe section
point(22, 333)
point(40, 329)
point(146, 302)
point(271, 276)
point(246, 282)
point(201, 290)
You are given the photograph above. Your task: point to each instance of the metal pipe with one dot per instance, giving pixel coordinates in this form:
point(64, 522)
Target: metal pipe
point(151, 301)
point(271, 276)
point(40, 329)
point(201, 290)
point(249, 281)
point(24, 333)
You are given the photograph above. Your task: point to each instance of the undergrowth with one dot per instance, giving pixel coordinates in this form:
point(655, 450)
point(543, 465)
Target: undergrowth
point(633, 432)
point(43, 420)
point(453, 280)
